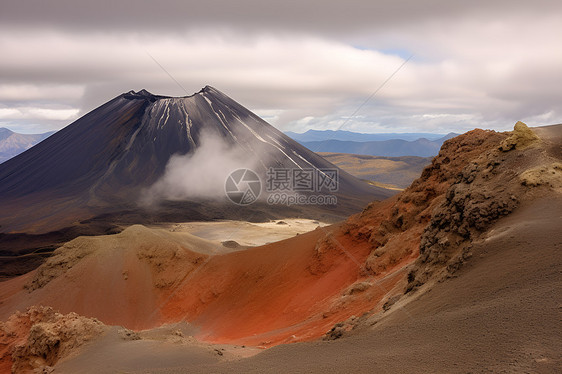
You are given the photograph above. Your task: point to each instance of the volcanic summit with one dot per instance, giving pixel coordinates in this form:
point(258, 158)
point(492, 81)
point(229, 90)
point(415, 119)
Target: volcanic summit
point(99, 168)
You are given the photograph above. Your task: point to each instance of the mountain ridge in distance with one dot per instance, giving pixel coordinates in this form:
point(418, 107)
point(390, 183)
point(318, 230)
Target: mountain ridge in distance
point(421, 147)
point(344, 135)
point(13, 143)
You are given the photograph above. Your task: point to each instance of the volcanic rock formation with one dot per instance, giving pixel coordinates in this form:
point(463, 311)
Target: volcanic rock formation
point(39, 337)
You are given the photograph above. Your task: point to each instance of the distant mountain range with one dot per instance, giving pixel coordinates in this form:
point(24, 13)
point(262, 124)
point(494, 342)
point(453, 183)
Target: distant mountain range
point(319, 135)
point(12, 143)
point(387, 145)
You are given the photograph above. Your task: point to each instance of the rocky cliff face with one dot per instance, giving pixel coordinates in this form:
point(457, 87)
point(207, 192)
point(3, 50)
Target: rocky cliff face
point(394, 228)
point(477, 178)
point(427, 232)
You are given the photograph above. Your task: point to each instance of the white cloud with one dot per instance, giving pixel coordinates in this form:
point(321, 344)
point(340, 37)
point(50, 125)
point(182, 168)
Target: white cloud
point(37, 113)
point(26, 92)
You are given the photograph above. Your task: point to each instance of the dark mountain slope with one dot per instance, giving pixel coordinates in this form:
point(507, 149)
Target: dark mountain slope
point(127, 143)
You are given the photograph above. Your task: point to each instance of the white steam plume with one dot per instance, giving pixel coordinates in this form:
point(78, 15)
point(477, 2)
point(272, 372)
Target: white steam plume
point(201, 174)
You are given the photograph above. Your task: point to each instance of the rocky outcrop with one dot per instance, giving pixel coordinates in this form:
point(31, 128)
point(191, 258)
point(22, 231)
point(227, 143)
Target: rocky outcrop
point(394, 228)
point(63, 259)
point(544, 175)
point(475, 201)
point(476, 178)
point(521, 137)
point(35, 340)
point(489, 187)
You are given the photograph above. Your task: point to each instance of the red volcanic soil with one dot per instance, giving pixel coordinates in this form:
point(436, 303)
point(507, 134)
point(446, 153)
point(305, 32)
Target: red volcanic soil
point(293, 290)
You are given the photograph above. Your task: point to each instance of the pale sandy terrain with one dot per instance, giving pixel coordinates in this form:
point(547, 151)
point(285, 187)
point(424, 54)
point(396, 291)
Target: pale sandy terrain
point(170, 346)
point(246, 233)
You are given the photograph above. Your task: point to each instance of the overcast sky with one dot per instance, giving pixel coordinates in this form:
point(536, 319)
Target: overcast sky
point(298, 64)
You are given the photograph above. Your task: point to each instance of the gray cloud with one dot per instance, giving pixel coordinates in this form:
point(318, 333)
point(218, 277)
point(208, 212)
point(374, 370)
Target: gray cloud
point(322, 16)
point(300, 64)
